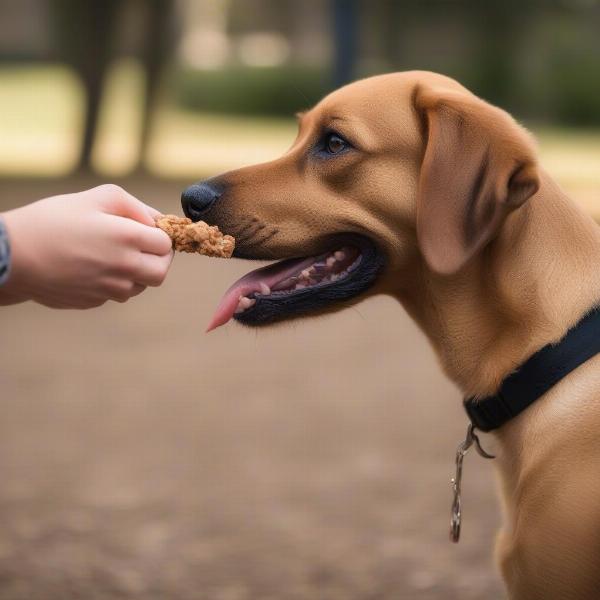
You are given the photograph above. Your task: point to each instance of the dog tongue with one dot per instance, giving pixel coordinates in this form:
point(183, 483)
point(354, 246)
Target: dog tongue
point(251, 283)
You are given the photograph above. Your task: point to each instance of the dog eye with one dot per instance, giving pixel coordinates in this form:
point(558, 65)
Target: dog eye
point(334, 144)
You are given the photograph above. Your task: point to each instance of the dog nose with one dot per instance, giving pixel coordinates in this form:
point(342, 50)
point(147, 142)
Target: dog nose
point(198, 199)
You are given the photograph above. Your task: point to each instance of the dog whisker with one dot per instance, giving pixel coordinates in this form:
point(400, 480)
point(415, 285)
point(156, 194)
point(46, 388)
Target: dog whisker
point(250, 242)
point(248, 231)
point(240, 232)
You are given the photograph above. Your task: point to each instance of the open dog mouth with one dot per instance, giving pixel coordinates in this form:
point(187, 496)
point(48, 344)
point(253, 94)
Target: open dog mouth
point(301, 285)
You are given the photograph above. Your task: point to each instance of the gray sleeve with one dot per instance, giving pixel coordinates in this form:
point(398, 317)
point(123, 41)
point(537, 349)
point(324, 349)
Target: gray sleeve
point(4, 253)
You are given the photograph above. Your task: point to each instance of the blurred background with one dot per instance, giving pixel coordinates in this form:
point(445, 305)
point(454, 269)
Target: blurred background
point(140, 458)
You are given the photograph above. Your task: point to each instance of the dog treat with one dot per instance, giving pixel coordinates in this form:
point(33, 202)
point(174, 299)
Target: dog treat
point(200, 237)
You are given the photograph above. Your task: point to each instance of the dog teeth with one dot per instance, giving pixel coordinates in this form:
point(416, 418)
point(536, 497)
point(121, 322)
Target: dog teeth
point(322, 271)
point(243, 304)
point(246, 302)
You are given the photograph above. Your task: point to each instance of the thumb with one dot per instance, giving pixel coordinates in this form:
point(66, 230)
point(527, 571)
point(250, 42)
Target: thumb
point(121, 203)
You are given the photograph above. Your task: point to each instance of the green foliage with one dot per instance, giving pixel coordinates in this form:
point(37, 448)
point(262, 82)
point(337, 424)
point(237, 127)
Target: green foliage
point(575, 86)
point(578, 100)
point(276, 91)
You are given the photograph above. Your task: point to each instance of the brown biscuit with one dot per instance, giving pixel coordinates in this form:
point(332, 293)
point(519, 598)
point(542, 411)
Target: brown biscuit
point(198, 237)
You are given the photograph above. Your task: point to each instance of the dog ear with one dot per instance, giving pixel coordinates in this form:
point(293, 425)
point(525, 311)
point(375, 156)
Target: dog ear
point(478, 166)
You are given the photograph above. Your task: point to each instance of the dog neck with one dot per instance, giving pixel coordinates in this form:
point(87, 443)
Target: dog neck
point(531, 284)
point(527, 288)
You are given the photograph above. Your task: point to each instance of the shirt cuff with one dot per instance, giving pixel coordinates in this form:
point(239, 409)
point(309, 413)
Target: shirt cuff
point(4, 253)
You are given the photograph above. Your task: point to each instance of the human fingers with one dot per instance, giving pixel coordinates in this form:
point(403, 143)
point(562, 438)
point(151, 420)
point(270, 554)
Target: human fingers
point(152, 270)
point(125, 292)
point(120, 202)
point(141, 237)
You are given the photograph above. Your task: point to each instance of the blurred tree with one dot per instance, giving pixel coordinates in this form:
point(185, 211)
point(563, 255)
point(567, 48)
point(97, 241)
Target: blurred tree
point(391, 14)
point(345, 34)
point(496, 28)
point(86, 35)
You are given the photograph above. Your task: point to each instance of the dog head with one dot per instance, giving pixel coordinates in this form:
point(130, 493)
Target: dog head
point(389, 174)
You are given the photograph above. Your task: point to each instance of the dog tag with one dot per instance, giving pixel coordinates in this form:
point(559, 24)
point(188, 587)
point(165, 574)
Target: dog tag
point(456, 514)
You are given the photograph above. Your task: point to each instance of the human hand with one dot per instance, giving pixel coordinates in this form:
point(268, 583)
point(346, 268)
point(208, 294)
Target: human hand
point(80, 250)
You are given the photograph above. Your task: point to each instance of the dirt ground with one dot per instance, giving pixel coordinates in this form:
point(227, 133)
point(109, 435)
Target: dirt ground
point(143, 459)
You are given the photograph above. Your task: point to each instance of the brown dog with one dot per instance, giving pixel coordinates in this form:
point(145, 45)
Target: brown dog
point(409, 185)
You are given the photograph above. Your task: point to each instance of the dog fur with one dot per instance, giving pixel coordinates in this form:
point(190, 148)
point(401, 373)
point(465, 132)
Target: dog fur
point(490, 258)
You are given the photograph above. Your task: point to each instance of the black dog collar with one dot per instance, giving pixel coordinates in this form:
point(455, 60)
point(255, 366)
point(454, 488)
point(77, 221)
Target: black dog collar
point(537, 375)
